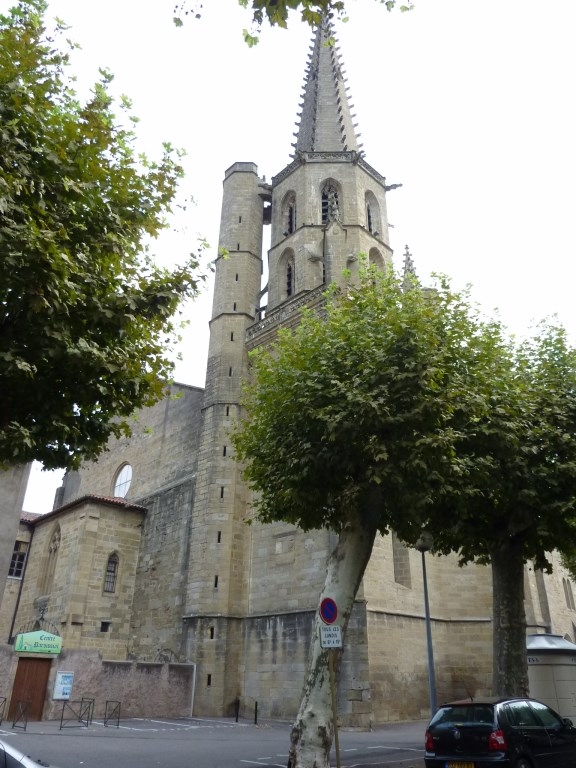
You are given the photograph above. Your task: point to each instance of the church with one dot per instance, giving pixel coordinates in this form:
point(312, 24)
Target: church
point(162, 595)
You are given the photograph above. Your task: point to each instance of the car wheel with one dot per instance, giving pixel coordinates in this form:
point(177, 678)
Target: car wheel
point(523, 763)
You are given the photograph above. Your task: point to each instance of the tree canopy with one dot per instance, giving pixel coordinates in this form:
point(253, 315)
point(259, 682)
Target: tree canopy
point(276, 12)
point(405, 408)
point(85, 313)
point(370, 395)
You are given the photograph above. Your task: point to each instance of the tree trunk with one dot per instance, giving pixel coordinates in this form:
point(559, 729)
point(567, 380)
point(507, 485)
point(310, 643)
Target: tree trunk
point(510, 676)
point(312, 732)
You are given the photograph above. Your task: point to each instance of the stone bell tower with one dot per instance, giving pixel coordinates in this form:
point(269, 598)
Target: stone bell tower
point(326, 207)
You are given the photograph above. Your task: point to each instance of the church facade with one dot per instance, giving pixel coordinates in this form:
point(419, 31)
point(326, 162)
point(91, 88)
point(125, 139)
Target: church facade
point(147, 567)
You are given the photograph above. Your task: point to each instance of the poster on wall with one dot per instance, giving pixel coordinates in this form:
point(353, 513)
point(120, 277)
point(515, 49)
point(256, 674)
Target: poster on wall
point(63, 686)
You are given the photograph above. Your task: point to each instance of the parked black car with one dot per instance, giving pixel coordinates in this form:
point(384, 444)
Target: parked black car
point(494, 732)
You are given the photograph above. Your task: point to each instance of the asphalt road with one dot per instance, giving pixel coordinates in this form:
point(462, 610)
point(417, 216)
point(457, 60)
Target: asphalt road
point(202, 743)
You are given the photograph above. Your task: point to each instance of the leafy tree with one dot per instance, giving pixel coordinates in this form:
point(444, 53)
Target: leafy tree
point(519, 458)
point(85, 314)
point(353, 421)
point(276, 12)
point(406, 410)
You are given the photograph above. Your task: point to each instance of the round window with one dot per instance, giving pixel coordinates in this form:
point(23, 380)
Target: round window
point(123, 480)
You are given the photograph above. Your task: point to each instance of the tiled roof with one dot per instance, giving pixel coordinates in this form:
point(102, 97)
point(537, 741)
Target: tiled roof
point(28, 517)
point(111, 501)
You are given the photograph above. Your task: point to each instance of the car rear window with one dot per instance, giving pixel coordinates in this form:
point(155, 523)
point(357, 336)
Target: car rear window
point(464, 713)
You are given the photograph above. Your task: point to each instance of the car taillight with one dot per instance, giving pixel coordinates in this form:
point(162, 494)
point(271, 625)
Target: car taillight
point(429, 742)
point(497, 741)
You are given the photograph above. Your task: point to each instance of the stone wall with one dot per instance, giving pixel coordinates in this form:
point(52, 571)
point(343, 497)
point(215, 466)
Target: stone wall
point(143, 689)
point(162, 450)
point(13, 483)
point(75, 602)
point(163, 563)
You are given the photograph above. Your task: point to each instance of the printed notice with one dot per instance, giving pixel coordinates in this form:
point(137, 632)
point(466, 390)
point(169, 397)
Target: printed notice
point(331, 637)
point(63, 685)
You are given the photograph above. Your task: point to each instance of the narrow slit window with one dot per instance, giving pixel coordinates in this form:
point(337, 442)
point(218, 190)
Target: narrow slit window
point(209, 681)
point(215, 582)
point(211, 633)
point(289, 279)
point(219, 537)
point(221, 491)
point(291, 223)
point(232, 336)
point(224, 450)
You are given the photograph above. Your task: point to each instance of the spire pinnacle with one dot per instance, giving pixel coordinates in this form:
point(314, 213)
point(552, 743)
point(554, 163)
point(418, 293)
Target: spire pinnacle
point(409, 276)
point(326, 123)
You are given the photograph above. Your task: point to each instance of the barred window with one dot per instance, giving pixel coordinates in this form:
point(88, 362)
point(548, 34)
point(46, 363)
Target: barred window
point(18, 559)
point(111, 574)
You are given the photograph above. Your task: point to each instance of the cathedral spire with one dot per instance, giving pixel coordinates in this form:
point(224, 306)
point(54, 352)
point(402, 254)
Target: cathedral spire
point(326, 121)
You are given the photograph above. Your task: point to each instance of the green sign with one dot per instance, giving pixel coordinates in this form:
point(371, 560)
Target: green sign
point(38, 642)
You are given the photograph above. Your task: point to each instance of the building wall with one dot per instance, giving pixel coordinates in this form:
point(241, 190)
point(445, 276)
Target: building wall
point(12, 490)
point(12, 590)
point(161, 575)
point(143, 689)
point(162, 450)
point(75, 602)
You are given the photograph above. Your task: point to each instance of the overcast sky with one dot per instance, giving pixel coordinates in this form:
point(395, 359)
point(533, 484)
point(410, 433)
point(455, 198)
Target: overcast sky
point(467, 103)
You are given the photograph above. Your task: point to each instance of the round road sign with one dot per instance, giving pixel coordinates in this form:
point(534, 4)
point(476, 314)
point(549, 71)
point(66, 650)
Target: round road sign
point(328, 610)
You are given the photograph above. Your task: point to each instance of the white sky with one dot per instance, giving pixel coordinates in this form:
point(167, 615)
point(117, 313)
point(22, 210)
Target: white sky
point(467, 103)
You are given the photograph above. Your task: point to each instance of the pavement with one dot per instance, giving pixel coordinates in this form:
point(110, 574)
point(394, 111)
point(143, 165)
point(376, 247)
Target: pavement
point(204, 743)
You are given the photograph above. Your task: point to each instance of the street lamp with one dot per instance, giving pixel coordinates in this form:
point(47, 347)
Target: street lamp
point(423, 545)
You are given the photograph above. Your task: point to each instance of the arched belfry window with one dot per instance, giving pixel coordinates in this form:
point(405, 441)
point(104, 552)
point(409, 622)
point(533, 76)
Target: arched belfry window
point(50, 562)
point(373, 218)
point(331, 201)
point(289, 214)
point(111, 573)
point(122, 481)
point(376, 259)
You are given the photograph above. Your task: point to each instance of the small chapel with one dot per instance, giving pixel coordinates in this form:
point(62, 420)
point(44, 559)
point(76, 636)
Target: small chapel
point(162, 595)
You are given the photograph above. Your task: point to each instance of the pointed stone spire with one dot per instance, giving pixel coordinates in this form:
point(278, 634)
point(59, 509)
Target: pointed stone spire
point(326, 121)
point(409, 277)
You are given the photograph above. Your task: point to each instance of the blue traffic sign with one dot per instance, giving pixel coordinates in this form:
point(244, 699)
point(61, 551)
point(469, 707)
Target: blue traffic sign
point(328, 610)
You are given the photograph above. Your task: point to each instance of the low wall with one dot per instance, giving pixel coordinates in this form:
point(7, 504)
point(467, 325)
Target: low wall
point(144, 689)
